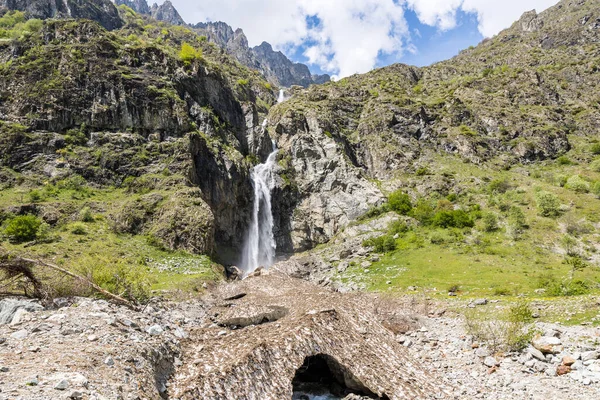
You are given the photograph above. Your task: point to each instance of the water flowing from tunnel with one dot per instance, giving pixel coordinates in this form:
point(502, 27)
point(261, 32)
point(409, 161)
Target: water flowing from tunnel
point(260, 246)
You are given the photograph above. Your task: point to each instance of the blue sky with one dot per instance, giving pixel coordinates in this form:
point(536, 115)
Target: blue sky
point(430, 43)
point(343, 37)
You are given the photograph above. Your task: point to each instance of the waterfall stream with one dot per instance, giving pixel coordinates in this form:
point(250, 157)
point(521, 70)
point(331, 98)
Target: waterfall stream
point(259, 248)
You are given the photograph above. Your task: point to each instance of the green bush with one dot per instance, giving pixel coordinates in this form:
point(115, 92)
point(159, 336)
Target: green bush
point(35, 196)
point(131, 281)
point(595, 149)
point(23, 228)
point(85, 215)
point(381, 244)
point(78, 229)
point(400, 202)
point(375, 212)
point(452, 219)
point(397, 228)
point(595, 165)
point(548, 204)
point(516, 218)
point(578, 184)
point(595, 189)
point(188, 53)
point(564, 160)
point(499, 186)
point(490, 222)
point(242, 82)
point(423, 212)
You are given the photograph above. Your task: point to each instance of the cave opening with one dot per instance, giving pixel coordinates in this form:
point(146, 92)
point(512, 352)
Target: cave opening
point(322, 377)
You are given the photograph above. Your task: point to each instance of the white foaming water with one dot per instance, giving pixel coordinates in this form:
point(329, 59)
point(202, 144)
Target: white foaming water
point(281, 97)
point(259, 248)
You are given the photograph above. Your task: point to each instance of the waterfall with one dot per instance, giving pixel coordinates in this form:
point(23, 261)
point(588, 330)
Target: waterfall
point(259, 248)
point(281, 97)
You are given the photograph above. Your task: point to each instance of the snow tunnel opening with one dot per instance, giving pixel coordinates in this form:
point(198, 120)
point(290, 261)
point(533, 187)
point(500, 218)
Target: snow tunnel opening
point(322, 377)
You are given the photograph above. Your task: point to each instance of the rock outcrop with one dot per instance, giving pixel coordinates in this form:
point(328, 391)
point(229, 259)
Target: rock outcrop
point(275, 337)
point(166, 12)
point(102, 11)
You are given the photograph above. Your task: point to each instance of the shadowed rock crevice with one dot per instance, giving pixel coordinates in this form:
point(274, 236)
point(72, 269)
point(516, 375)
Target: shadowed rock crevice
point(323, 375)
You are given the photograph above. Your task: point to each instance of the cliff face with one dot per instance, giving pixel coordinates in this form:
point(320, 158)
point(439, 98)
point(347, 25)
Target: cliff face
point(102, 11)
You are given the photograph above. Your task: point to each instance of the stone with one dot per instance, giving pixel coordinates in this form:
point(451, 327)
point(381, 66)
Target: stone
point(590, 355)
point(109, 361)
point(568, 361)
point(482, 352)
point(536, 353)
point(33, 381)
point(92, 338)
point(490, 362)
point(4, 369)
point(76, 395)
point(563, 369)
point(63, 384)
point(155, 330)
point(20, 335)
point(548, 344)
point(8, 309)
point(480, 302)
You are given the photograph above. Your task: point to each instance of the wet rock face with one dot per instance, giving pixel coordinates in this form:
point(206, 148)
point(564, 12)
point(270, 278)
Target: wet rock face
point(102, 11)
point(323, 333)
point(326, 189)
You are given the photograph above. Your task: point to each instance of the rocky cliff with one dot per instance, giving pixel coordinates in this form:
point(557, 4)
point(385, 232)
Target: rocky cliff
point(102, 11)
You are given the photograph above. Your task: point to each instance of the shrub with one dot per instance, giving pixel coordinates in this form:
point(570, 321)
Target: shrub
point(595, 189)
point(188, 54)
point(23, 228)
point(75, 137)
point(85, 215)
point(577, 184)
point(548, 204)
point(423, 212)
point(564, 160)
point(498, 186)
point(242, 82)
point(374, 212)
point(516, 218)
point(508, 332)
point(490, 222)
point(131, 281)
point(35, 196)
point(595, 165)
point(78, 229)
point(400, 202)
point(397, 228)
point(381, 244)
point(452, 219)
point(595, 149)
point(422, 171)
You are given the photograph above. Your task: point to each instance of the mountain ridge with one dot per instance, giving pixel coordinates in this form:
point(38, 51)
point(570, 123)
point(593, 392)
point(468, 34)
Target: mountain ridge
point(275, 66)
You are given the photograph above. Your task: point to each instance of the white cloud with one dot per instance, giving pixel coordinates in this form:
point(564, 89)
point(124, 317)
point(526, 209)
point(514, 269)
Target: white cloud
point(352, 34)
point(495, 16)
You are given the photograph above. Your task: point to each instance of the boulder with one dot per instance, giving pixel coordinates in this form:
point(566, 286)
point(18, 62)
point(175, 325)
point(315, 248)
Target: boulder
point(9, 308)
point(548, 344)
